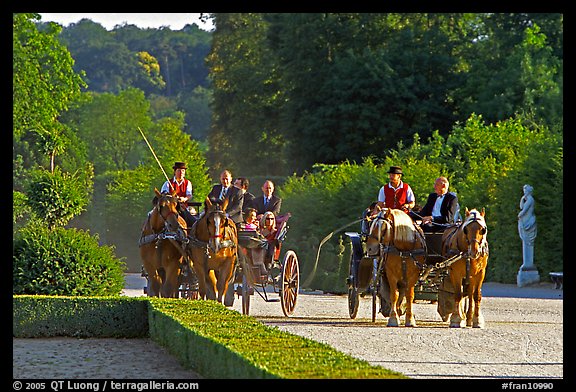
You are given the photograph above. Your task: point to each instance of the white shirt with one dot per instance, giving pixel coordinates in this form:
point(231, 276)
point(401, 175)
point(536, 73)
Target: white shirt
point(437, 205)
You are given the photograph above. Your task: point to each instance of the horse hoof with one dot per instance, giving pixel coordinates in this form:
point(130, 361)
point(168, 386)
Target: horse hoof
point(392, 322)
point(410, 323)
point(455, 325)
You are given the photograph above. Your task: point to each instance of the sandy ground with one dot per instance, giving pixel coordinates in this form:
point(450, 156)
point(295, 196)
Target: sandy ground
point(523, 338)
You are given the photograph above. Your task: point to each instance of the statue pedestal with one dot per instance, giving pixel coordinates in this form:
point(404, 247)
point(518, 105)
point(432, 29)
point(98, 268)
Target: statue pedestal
point(527, 276)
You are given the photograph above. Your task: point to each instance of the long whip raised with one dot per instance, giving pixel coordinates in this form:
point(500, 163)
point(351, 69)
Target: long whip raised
point(157, 160)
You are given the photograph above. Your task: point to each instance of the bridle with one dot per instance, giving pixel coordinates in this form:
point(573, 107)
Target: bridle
point(483, 230)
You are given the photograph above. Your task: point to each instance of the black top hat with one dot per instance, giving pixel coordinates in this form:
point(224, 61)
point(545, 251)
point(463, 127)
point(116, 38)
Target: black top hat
point(395, 170)
point(179, 165)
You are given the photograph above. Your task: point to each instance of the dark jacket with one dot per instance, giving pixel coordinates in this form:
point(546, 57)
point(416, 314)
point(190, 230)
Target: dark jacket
point(449, 210)
point(273, 205)
point(235, 201)
point(248, 201)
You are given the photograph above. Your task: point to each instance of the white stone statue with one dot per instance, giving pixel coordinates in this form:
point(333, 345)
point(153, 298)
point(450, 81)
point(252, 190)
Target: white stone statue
point(527, 229)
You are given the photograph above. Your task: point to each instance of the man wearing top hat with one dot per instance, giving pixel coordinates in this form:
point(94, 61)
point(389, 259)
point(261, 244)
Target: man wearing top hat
point(396, 194)
point(183, 189)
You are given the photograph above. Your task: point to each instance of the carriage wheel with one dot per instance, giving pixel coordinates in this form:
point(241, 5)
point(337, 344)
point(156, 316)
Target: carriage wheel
point(353, 293)
point(245, 295)
point(290, 282)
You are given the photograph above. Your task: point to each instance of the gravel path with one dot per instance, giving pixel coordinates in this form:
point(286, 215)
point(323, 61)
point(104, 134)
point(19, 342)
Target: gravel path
point(523, 338)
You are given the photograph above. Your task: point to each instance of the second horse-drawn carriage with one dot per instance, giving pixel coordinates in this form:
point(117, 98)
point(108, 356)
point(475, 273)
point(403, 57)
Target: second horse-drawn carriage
point(279, 280)
point(395, 262)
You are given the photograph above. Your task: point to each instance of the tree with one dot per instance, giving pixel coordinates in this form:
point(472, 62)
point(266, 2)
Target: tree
point(44, 84)
point(246, 98)
point(108, 123)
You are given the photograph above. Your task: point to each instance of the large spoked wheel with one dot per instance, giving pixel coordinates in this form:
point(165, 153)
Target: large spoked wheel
point(245, 295)
point(353, 293)
point(290, 283)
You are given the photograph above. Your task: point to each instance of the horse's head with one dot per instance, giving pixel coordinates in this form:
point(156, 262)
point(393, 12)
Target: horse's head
point(380, 232)
point(165, 213)
point(216, 223)
point(474, 230)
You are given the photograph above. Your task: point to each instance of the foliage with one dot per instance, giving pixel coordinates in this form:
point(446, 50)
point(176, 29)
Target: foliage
point(56, 197)
point(43, 80)
point(109, 123)
point(335, 87)
point(64, 262)
point(245, 98)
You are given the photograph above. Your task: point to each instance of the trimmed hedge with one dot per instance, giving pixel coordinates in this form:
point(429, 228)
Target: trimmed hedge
point(82, 317)
point(199, 333)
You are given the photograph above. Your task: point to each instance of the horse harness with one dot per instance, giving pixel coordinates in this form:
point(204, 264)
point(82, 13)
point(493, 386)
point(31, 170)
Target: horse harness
point(165, 234)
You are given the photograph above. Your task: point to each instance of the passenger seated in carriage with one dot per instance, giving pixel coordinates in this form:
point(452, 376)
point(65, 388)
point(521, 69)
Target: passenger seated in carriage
point(259, 238)
point(441, 208)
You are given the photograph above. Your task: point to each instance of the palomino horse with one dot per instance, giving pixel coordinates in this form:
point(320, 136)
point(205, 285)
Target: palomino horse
point(402, 249)
point(467, 273)
point(214, 249)
point(161, 246)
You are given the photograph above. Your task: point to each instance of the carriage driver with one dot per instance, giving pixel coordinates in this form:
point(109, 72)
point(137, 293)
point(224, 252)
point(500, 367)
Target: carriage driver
point(396, 194)
point(183, 189)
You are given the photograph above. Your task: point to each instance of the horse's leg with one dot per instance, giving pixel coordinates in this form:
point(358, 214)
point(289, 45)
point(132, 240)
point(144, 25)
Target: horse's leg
point(155, 284)
point(456, 318)
point(414, 273)
point(393, 320)
point(198, 259)
point(211, 285)
point(224, 278)
point(170, 286)
point(478, 319)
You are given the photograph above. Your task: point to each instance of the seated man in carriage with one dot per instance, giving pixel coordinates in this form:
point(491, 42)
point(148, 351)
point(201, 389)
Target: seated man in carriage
point(441, 209)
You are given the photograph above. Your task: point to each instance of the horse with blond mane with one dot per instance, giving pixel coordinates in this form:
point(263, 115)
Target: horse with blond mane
point(401, 248)
point(161, 246)
point(467, 273)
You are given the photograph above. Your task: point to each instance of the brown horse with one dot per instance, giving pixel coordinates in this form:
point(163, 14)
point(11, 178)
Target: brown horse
point(402, 249)
point(214, 250)
point(161, 247)
point(467, 273)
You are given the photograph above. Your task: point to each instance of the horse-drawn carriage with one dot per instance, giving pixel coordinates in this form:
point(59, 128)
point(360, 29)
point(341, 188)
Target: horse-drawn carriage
point(395, 262)
point(207, 259)
point(280, 276)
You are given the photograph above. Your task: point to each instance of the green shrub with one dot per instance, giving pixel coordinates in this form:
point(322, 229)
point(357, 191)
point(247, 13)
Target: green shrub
point(57, 197)
point(64, 262)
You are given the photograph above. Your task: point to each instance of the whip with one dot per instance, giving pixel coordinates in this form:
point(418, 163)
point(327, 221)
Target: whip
point(157, 160)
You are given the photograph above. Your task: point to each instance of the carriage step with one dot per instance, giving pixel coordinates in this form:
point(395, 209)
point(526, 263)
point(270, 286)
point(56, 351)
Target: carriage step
point(273, 300)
